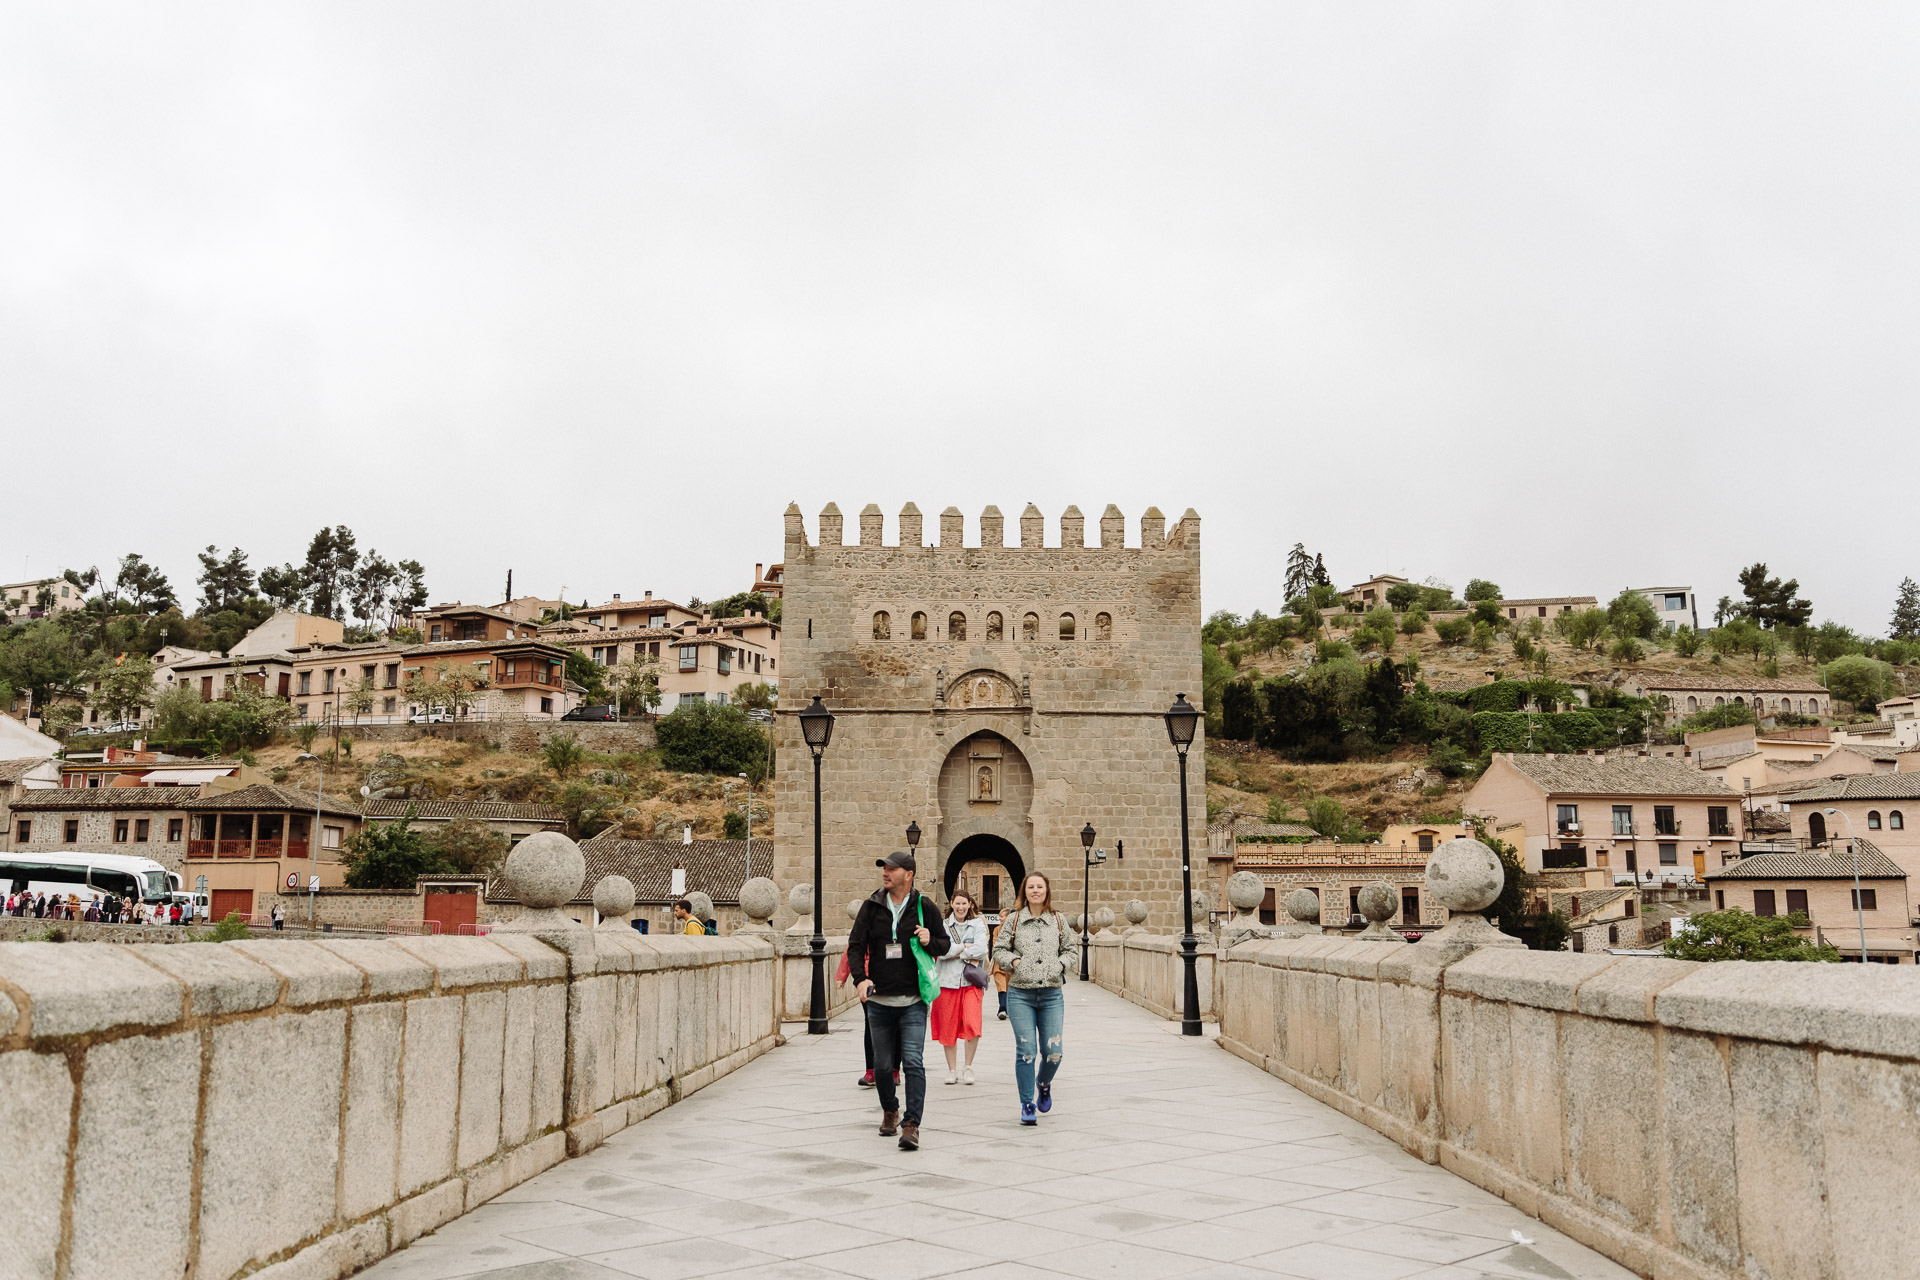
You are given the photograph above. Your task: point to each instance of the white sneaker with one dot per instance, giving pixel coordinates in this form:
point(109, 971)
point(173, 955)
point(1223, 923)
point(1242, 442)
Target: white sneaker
point(954, 1079)
point(967, 1076)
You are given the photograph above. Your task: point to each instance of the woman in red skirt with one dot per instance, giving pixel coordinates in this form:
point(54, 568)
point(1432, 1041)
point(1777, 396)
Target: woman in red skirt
point(956, 1014)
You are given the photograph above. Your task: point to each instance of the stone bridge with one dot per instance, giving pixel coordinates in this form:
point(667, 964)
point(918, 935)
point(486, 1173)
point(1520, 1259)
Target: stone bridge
point(567, 1103)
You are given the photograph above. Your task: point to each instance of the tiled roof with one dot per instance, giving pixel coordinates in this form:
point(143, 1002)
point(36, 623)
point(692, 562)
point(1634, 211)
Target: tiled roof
point(1872, 751)
point(1525, 600)
point(485, 810)
point(436, 647)
point(1591, 900)
point(1836, 864)
point(716, 868)
point(58, 798)
point(1871, 726)
point(1726, 684)
point(1861, 786)
point(1276, 829)
point(14, 770)
point(265, 795)
point(1614, 776)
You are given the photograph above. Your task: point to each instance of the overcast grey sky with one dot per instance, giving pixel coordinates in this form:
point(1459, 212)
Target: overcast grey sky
point(1572, 297)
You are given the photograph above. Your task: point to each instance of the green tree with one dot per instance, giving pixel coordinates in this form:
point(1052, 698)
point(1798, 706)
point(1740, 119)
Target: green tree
point(1582, 628)
point(589, 675)
point(637, 686)
point(1686, 641)
point(1858, 679)
point(1453, 630)
point(704, 738)
point(1626, 649)
point(1906, 612)
point(1480, 589)
point(46, 660)
point(245, 716)
point(1771, 602)
point(358, 699)
point(58, 719)
point(1299, 572)
point(752, 697)
point(179, 715)
point(1631, 614)
point(736, 825)
point(1404, 595)
point(224, 583)
point(1329, 818)
point(391, 855)
point(470, 847)
point(589, 809)
point(332, 557)
point(1735, 935)
point(1377, 630)
point(1215, 674)
point(1414, 621)
point(123, 688)
point(304, 732)
point(284, 585)
point(448, 686)
point(1728, 716)
point(371, 593)
point(1483, 637)
point(563, 754)
point(143, 588)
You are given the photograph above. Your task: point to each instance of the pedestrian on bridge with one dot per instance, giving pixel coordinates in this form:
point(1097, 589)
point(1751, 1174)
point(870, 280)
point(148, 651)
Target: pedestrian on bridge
point(891, 953)
point(956, 1014)
point(1037, 951)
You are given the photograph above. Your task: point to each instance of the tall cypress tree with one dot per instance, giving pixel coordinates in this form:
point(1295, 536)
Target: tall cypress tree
point(1906, 612)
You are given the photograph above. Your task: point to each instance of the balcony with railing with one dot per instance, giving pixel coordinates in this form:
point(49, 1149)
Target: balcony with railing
point(1666, 826)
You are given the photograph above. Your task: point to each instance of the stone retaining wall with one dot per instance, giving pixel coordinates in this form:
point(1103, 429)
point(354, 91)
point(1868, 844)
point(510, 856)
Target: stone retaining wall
point(290, 1109)
point(1725, 1121)
point(601, 737)
point(1147, 969)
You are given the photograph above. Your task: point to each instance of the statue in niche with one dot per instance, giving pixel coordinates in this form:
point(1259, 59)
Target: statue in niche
point(984, 791)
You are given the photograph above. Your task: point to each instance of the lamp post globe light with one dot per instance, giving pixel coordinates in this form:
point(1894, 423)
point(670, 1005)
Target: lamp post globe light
point(1859, 910)
point(1183, 719)
point(1091, 856)
point(816, 727)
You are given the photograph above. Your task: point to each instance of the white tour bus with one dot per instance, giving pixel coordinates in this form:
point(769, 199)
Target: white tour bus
point(86, 874)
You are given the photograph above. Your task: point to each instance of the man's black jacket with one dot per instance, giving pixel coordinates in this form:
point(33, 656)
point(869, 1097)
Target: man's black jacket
point(866, 945)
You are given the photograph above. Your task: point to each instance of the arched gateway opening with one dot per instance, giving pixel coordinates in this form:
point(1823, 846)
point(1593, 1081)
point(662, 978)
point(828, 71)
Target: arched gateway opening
point(990, 867)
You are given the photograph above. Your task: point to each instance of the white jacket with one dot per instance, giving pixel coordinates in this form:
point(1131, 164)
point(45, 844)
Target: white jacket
point(969, 943)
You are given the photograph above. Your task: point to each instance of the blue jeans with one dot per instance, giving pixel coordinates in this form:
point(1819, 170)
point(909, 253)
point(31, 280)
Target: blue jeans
point(899, 1037)
point(1038, 1016)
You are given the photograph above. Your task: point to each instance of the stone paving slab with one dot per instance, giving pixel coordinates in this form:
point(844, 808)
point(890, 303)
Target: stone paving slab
point(1163, 1158)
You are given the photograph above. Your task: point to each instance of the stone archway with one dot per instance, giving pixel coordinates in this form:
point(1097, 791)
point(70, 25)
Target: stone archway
point(969, 861)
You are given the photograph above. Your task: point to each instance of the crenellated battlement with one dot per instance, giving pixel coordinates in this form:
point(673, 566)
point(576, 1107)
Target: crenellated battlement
point(991, 530)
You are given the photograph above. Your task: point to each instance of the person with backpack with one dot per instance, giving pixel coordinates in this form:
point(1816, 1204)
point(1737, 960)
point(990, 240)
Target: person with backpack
point(1037, 951)
point(891, 958)
point(956, 1014)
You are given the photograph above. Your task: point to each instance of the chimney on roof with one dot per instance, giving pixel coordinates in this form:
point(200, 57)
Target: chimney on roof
point(649, 595)
point(758, 571)
point(616, 595)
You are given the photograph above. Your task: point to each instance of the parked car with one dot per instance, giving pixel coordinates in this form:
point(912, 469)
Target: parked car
point(593, 711)
point(760, 715)
point(434, 715)
point(125, 726)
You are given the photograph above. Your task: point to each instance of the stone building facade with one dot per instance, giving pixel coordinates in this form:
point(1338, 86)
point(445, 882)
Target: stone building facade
point(1001, 697)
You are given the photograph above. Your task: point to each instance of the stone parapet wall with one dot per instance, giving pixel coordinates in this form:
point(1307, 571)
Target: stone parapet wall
point(302, 1108)
point(1709, 1121)
point(1148, 969)
point(516, 733)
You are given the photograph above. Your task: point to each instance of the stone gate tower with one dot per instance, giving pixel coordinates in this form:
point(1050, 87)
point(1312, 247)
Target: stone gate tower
point(1001, 697)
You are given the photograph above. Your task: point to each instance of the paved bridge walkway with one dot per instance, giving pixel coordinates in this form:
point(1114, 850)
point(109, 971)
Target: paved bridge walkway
point(1163, 1157)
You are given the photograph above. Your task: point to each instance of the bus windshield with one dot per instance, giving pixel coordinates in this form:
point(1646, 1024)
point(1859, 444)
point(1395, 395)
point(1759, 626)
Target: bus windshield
point(157, 885)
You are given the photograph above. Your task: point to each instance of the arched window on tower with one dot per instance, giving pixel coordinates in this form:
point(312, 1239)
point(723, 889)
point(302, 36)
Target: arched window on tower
point(1873, 819)
point(1693, 705)
point(1066, 626)
point(1030, 627)
point(919, 625)
point(996, 627)
point(956, 625)
point(1103, 626)
point(1896, 821)
point(882, 626)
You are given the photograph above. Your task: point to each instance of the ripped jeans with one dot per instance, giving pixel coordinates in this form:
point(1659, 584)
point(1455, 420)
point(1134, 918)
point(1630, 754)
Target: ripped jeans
point(1039, 1018)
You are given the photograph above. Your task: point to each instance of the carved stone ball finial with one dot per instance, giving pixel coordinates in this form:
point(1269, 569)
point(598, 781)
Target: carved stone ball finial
point(800, 899)
point(1137, 913)
point(545, 871)
point(702, 905)
point(613, 897)
point(1465, 876)
point(853, 908)
point(759, 899)
point(1103, 919)
point(1377, 902)
point(1304, 906)
point(1245, 891)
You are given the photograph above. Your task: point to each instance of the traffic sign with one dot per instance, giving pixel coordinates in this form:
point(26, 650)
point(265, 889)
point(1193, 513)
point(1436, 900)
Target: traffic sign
point(293, 879)
point(313, 884)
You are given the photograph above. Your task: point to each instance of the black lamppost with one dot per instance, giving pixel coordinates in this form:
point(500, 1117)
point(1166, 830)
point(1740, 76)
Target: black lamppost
point(816, 726)
point(1182, 719)
point(1091, 856)
point(913, 835)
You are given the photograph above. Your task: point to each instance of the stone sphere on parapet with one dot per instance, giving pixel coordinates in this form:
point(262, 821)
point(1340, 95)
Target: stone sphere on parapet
point(1103, 919)
point(1136, 913)
point(545, 871)
point(1465, 875)
point(1245, 890)
point(853, 907)
point(1378, 901)
point(702, 905)
point(1304, 905)
point(759, 899)
point(1202, 905)
point(613, 896)
point(800, 899)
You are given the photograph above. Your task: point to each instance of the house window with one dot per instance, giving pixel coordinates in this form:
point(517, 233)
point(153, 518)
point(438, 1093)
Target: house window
point(688, 699)
point(366, 672)
point(657, 620)
point(387, 705)
point(393, 675)
point(306, 683)
point(142, 829)
point(24, 832)
point(1664, 823)
point(1719, 899)
point(996, 627)
point(1763, 903)
point(918, 627)
point(1896, 821)
point(1567, 817)
point(1409, 906)
point(72, 830)
point(1873, 819)
point(1543, 611)
point(1030, 627)
point(689, 657)
point(1103, 626)
point(326, 683)
point(882, 626)
point(1628, 904)
point(302, 709)
point(1066, 626)
point(1717, 824)
point(725, 659)
point(173, 830)
point(1863, 900)
point(1566, 855)
point(956, 626)
point(546, 706)
point(433, 633)
point(330, 837)
point(1426, 842)
point(1669, 854)
point(1796, 901)
point(1623, 819)
point(1676, 600)
point(1693, 704)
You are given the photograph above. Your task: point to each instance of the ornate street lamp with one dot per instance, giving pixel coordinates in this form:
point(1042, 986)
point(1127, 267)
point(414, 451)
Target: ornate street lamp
point(1182, 720)
point(816, 727)
point(913, 835)
point(1091, 856)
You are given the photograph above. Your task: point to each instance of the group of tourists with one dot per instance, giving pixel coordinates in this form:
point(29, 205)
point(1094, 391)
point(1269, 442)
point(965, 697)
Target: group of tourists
point(916, 970)
point(97, 909)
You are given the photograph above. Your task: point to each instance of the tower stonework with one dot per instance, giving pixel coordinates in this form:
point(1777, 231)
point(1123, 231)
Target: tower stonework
point(1002, 697)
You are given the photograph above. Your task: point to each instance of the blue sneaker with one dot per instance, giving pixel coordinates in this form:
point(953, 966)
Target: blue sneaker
point(1026, 1114)
point(1046, 1098)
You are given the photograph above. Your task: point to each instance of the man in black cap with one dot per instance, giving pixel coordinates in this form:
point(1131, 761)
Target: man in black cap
point(880, 959)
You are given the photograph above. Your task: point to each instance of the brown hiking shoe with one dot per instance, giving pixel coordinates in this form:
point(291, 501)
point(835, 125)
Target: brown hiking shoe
point(909, 1137)
point(889, 1124)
